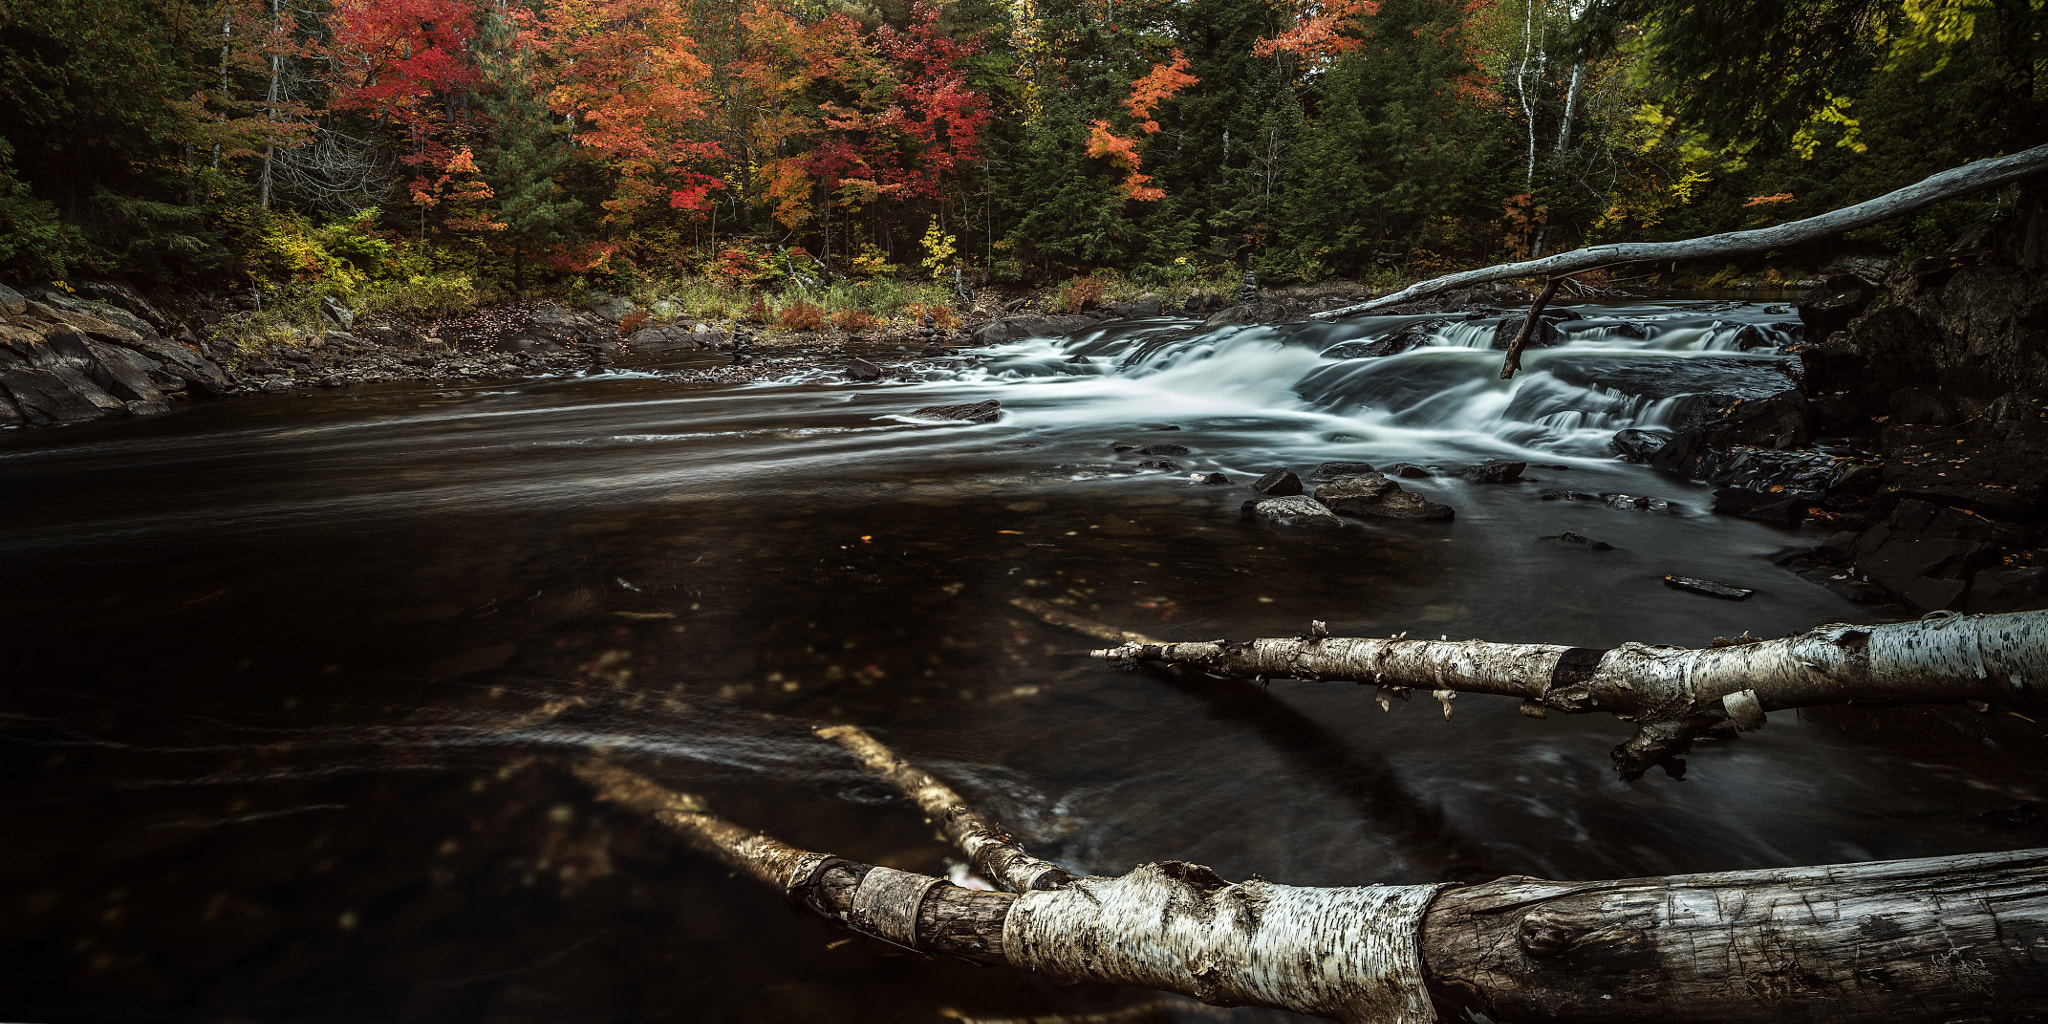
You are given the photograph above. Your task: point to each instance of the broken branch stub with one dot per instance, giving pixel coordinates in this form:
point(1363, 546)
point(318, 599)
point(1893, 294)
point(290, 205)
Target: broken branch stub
point(1674, 693)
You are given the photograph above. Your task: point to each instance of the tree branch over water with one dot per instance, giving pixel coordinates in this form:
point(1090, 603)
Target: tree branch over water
point(1918, 940)
point(1949, 184)
point(1673, 694)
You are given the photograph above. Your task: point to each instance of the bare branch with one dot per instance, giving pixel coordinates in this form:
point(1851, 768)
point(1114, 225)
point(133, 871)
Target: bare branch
point(1949, 184)
point(988, 847)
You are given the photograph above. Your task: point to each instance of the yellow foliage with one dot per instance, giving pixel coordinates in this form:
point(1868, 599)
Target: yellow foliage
point(938, 249)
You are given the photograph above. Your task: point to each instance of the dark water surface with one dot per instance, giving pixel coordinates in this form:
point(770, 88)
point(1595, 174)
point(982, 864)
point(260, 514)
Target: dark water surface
point(293, 680)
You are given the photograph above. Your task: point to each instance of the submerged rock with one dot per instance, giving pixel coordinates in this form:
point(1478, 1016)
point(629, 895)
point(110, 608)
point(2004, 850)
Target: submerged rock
point(1494, 471)
point(1711, 588)
point(977, 412)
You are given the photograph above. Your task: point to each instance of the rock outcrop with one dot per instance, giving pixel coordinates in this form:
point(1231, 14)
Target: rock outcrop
point(66, 359)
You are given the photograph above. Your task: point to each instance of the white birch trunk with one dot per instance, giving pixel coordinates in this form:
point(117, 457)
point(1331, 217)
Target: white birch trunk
point(1949, 184)
point(1937, 939)
point(1673, 692)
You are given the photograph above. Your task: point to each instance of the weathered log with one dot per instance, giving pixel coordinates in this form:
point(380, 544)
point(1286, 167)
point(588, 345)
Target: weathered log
point(1936, 939)
point(1958, 181)
point(989, 848)
point(1673, 693)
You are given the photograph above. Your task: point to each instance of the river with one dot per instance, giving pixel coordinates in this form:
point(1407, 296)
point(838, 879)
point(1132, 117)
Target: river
point(294, 678)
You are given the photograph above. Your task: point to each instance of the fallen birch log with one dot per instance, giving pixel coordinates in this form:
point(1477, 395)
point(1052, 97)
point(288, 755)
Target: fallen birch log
point(1936, 939)
point(1673, 693)
point(1949, 184)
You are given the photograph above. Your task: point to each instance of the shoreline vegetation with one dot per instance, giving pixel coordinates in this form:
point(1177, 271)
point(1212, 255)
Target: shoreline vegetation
point(769, 164)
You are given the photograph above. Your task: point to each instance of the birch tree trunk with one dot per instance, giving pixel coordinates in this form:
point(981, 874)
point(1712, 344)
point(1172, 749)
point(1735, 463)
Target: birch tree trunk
point(1959, 181)
point(1673, 693)
point(1937, 939)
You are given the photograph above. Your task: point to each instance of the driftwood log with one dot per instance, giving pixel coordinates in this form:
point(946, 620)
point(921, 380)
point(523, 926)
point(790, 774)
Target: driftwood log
point(1937, 939)
point(1673, 694)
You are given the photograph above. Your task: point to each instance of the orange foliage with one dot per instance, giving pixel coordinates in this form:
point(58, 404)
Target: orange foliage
point(1084, 292)
point(1123, 153)
point(629, 75)
point(801, 316)
point(758, 311)
point(633, 321)
point(1782, 197)
point(854, 320)
point(1155, 87)
point(942, 316)
point(1318, 32)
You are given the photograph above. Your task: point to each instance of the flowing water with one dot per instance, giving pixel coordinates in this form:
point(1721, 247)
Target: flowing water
point(293, 680)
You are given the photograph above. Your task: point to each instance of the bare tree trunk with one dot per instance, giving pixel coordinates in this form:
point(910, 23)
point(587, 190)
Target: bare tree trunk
point(1673, 693)
point(1939, 939)
point(1959, 181)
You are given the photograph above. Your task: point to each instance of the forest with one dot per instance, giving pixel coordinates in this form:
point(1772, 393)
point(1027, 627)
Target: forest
point(480, 148)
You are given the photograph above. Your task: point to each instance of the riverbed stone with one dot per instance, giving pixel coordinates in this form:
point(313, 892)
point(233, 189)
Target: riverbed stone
point(1494, 471)
point(1293, 510)
point(1278, 483)
point(861, 370)
point(1638, 445)
point(12, 302)
point(1329, 471)
point(974, 412)
point(1376, 496)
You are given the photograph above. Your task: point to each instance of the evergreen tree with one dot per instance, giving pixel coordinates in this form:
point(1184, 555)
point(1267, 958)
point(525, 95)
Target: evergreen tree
point(527, 152)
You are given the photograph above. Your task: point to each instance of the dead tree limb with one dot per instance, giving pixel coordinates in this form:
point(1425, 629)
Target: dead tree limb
point(1935, 939)
point(1512, 364)
point(1672, 693)
point(1949, 184)
point(989, 848)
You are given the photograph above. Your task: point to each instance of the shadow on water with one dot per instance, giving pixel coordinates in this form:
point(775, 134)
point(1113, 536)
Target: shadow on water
point(295, 679)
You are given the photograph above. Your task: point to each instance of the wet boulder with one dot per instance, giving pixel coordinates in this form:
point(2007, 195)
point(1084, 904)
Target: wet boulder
point(859, 369)
point(1278, 483)
point(1410, 471)
point(1378, 497)
point(1544, 335)
point(1031, 325)
point(976, 412)
point(1292, 510)
point(1392, 343)
point(1829, 306)
point(1329, 471)
point(1638, 445)
point(1494, 471)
